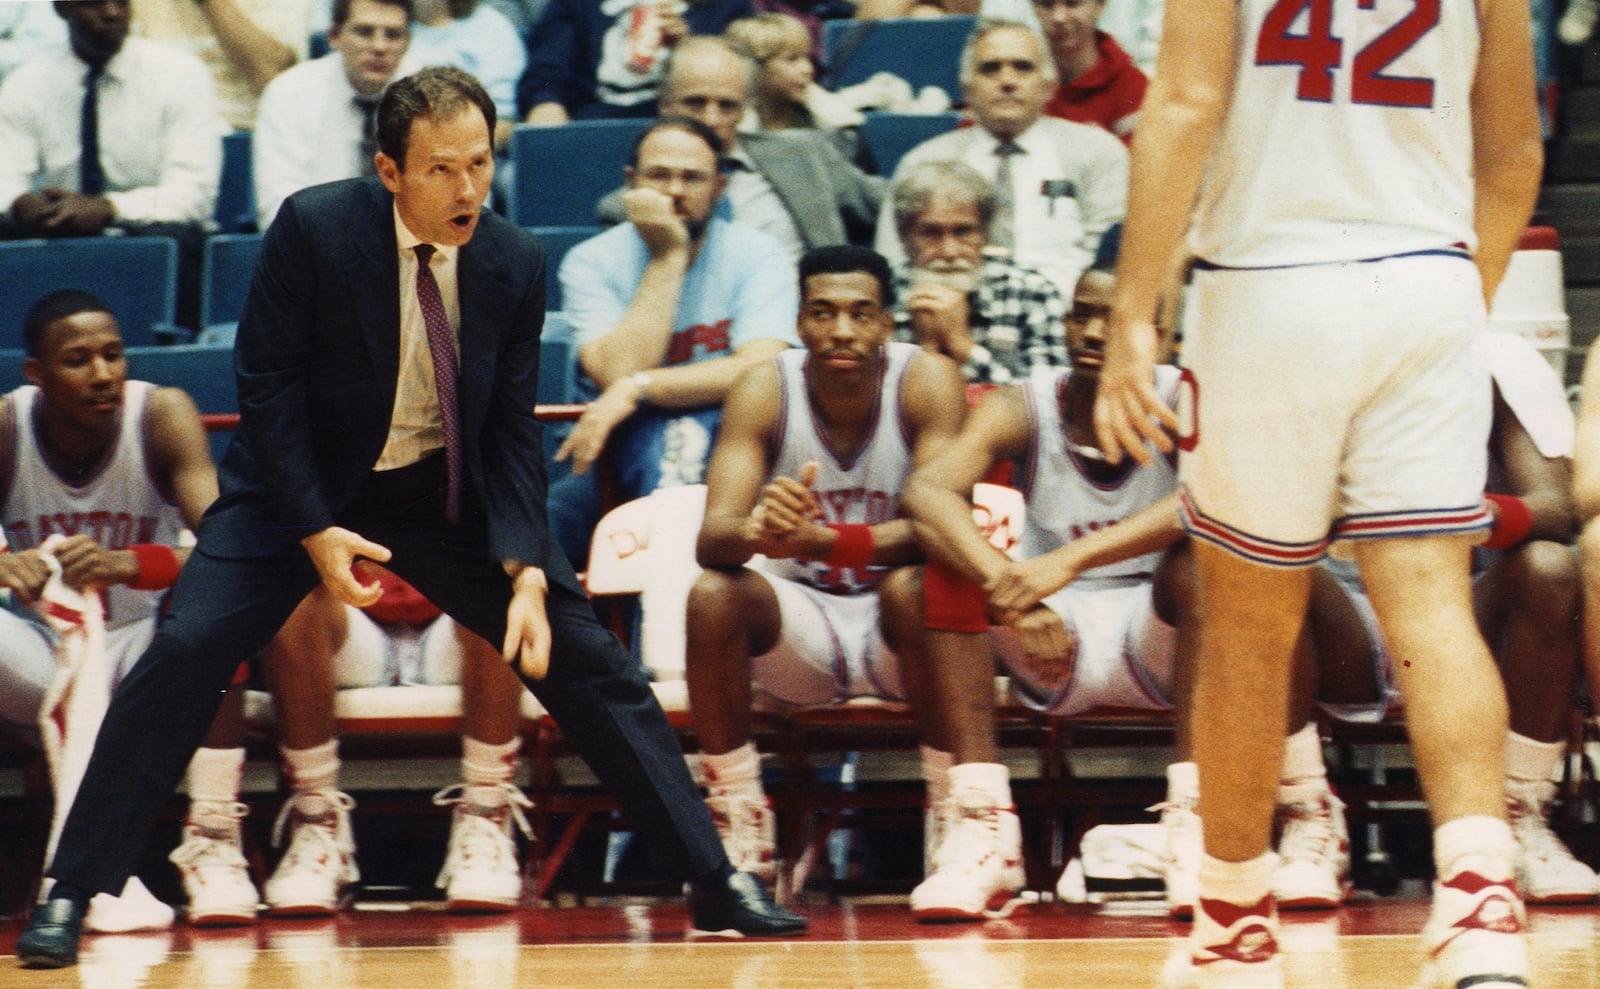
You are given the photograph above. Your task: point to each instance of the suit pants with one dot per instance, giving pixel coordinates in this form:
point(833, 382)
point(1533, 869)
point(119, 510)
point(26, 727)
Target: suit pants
point(224, 609)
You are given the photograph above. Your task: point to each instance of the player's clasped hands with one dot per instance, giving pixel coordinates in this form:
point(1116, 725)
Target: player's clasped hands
point(1050, 651)
point(781, 524)
point(24, 574)
point(1019, 585)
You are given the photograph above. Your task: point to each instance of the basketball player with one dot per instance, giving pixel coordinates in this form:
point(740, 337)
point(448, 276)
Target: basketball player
point(119, 467)
point(1367, 170)
point(807, 469)
point(1076, 614)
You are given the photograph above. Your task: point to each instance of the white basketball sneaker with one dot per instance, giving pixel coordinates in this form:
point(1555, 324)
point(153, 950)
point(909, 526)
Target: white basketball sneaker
point(211, 862)
point(1232, 946)
point(1476, 935)
point(481, 873)
point(1313, 851)
point(978, 868)
point(319, 867)
point(1547, 872)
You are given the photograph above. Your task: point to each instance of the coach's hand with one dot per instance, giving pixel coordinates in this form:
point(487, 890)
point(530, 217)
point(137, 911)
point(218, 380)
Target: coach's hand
point(333, 551)
point(528, 625)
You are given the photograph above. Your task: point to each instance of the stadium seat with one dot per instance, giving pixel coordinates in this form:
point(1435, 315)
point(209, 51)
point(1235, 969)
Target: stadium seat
point(230, 260)
point(557, 242)
point(136, 276)
point(236, 187)
point(922, 51)
point(890, 135)
point(560, 173)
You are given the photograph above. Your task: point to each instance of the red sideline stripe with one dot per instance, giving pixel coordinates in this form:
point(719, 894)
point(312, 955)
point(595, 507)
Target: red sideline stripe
point(1281, 554)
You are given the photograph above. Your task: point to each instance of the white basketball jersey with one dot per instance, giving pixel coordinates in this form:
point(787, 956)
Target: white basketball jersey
point(119, 504)
point(866, 488)
point(1349, 135)
point(1064, 501)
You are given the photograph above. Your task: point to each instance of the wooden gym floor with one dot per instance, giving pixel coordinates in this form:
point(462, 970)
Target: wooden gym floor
point(1371, 944)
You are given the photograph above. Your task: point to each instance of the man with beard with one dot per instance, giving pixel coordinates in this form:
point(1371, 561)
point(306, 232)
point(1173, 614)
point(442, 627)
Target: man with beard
point(667, 310)
point(1000, 320)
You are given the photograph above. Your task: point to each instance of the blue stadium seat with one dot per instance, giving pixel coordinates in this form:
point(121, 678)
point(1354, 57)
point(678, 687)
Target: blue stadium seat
point(136, 276)
point(560, 173)
point(206, 373)
point(557, 242)
point(236, 187)
point(230, 261)
point(924, 51)
point(891, 135)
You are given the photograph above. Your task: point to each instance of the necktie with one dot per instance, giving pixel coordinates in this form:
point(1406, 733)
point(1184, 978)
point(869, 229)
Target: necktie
point(367, 106)
point(91, 177)
point(442, 347)
point(1003, 233)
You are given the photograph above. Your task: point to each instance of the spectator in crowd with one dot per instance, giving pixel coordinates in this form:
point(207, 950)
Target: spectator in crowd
point(793, 185)
point(1087, 615)
point(1528, 598)
point(785, 83)
point(475, 37)
point(317, 121)
point(26, 27)
point(998, 319)
point(667, 309)
point(807, 470)
point(523, 14)
point(1136, 25)
point(244, 43)
point(402, 638)
point(588, 59)
point(1060, 184)
point(156, 151)
point(79, 443)
point(1097, 82)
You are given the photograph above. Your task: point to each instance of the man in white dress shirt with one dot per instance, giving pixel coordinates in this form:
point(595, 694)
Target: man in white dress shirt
point(158, 136)
point(1068, 182)
point(312, 123)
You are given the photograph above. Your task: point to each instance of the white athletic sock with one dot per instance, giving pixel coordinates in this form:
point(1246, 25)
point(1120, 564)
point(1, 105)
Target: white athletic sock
point(214, 779)
point(936, 766)
point(1183, 783)
point(1240, 883)
point(1302, 756)
point(989, 778)
point(1480, 843)
point(316, 768)
point(1530, 761)
point(484, 767)
point(737, 770)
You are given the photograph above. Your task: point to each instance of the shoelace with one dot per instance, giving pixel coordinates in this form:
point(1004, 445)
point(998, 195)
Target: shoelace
point(1308, 830)
point(972, 833)
point(456, 793)
point(1533, 833)
point(204, 848)
point(338, 837)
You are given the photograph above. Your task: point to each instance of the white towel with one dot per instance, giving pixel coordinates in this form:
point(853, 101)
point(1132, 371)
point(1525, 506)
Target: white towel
point(1530, 387)
point(69, 720)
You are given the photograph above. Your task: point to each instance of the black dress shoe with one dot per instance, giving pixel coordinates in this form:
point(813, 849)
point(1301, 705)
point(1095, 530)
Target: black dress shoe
point(739, 906)
point(51, 940)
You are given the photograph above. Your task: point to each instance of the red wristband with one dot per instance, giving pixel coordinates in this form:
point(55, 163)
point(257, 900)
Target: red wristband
point(158, 566)
point(852, 550)
point(1513, 521)
point(951, 602)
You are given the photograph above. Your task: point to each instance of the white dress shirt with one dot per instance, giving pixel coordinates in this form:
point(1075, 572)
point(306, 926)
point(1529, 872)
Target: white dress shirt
point(308, 131)
point(160, 133)
point(416, 428)
point(755, 203)
point(1069, 184)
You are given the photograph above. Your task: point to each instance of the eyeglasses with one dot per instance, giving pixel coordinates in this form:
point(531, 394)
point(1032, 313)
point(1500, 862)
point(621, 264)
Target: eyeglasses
point(370, 33)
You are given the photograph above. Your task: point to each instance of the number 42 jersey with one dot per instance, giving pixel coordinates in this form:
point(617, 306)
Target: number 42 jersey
point(1348, 136)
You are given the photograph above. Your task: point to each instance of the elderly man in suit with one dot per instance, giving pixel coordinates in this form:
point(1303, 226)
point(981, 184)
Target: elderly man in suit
point(358, 439)
point(792, 184)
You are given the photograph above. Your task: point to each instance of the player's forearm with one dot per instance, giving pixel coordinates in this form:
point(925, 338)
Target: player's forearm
point(257, 54)
point(723, 544)
point(945, 531)
point(1147, 531)
point(707, 382)
point(1506, 189)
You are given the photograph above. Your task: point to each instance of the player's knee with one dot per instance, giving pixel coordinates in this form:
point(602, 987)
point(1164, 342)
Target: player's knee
point(1551, 578)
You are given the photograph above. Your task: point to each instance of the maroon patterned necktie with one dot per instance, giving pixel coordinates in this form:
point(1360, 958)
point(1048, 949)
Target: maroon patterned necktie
point(442, 347)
